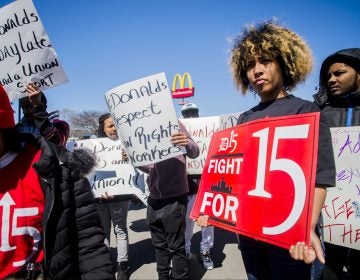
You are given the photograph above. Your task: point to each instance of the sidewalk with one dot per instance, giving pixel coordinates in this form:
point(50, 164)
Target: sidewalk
point(226, 255)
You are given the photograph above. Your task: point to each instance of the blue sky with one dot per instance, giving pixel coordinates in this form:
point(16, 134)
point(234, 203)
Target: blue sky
point(102, 44)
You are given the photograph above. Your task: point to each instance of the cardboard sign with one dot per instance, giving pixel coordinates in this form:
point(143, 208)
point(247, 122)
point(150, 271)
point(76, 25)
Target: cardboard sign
point(145, 119)
point(259, 179)
point(111, 174)
point(341, 211)
point(26, 52)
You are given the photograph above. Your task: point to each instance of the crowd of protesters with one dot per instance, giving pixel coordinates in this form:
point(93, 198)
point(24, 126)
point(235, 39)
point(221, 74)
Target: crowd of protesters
point(64, 231)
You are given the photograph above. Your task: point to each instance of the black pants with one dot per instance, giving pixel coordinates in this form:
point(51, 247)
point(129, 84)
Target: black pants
point(166, 221)
point(264, 261)
point(336, 258)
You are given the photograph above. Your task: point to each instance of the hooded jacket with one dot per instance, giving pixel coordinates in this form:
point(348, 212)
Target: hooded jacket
point(73, 238)
point(344, 109)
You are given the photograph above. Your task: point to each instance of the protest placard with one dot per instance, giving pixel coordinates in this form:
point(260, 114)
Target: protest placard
point(26, 52)
point(245, 166)
point(145, 118)
point(111, 174)
point(201, 131)
point(341, 211)
point(229, 120)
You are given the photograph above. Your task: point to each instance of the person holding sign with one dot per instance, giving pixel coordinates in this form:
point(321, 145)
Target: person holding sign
point(190, 110)
point(339, 100)
point(50, 228)
point(115, 208)
point(166, 210)
point(272, 60)
point(36, 118)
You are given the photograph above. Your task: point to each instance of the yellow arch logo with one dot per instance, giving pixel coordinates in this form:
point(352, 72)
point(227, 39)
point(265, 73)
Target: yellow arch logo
point(182, 91)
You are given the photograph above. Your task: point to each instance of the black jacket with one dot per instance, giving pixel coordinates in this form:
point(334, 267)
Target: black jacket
point(73, 237)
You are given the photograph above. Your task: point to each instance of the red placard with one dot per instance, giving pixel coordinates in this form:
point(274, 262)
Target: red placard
point(259, 179)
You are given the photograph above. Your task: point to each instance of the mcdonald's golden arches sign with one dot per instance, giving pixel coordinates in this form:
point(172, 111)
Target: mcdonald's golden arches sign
point(182, 91)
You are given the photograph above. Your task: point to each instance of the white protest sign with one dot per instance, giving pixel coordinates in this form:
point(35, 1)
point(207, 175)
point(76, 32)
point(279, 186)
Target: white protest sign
point(145, 118)
point(26, 53)
point(112, 175)
point(201, 131)
point(229, 120)
point(341, 211)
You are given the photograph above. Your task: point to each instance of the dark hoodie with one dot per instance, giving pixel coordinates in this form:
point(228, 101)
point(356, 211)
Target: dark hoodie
point(344, 109)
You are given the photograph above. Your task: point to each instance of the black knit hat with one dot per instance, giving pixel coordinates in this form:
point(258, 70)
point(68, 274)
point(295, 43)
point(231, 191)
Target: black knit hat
point(350, 57)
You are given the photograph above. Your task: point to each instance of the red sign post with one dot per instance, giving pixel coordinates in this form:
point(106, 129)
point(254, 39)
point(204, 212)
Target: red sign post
point(259, 179)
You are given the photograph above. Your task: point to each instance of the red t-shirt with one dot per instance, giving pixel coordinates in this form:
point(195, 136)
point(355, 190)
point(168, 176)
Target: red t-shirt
point(21, 211)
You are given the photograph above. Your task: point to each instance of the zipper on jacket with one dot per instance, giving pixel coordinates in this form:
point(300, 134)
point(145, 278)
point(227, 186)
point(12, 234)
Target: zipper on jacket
point(47, 219)
point(349, 116)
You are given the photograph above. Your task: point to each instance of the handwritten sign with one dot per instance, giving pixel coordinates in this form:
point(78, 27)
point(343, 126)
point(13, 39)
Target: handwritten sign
point(145, 118)
point(229, 120)
point(259, 179)
point(26, 52)
point(112, 175)
point(341, 211)
point(201, 131)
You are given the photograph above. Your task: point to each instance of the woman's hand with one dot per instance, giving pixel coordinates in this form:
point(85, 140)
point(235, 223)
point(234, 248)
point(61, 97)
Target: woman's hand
point(308, 254)
point(202, 221)
point(106, 196)
point(34, 94)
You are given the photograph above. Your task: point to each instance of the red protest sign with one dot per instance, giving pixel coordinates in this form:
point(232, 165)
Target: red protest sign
point(259, 179)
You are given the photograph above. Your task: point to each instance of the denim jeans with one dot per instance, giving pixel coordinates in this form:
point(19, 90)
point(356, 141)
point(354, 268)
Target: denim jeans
point(116, 212)
point(207, 233)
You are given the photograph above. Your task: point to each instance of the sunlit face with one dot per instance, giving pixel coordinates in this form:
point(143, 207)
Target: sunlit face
point(264, 75)
point(110, 129)
point(342, 78)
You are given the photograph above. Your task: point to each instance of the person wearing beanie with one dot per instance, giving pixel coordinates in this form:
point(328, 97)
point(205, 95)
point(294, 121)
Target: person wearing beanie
point(270, 60)
point(114, 208)
point(36, 119)
point(50, 226)
point(339, 99)
point(191, 110)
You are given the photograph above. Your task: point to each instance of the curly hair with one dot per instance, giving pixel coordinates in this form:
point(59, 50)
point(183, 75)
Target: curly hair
point(276, 42)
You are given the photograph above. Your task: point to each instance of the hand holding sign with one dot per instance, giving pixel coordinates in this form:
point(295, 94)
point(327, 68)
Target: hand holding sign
point(179, 139)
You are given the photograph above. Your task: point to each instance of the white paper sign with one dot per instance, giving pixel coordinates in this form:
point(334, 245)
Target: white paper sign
point(341, 212)
point(145, 119)
point(26, 52)
point(112, 175)
point(201, 131)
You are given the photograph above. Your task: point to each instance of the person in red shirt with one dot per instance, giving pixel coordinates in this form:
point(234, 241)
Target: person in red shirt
point(50, 228)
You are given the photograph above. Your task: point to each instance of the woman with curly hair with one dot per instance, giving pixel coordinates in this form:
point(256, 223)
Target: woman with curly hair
point(272, 60)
